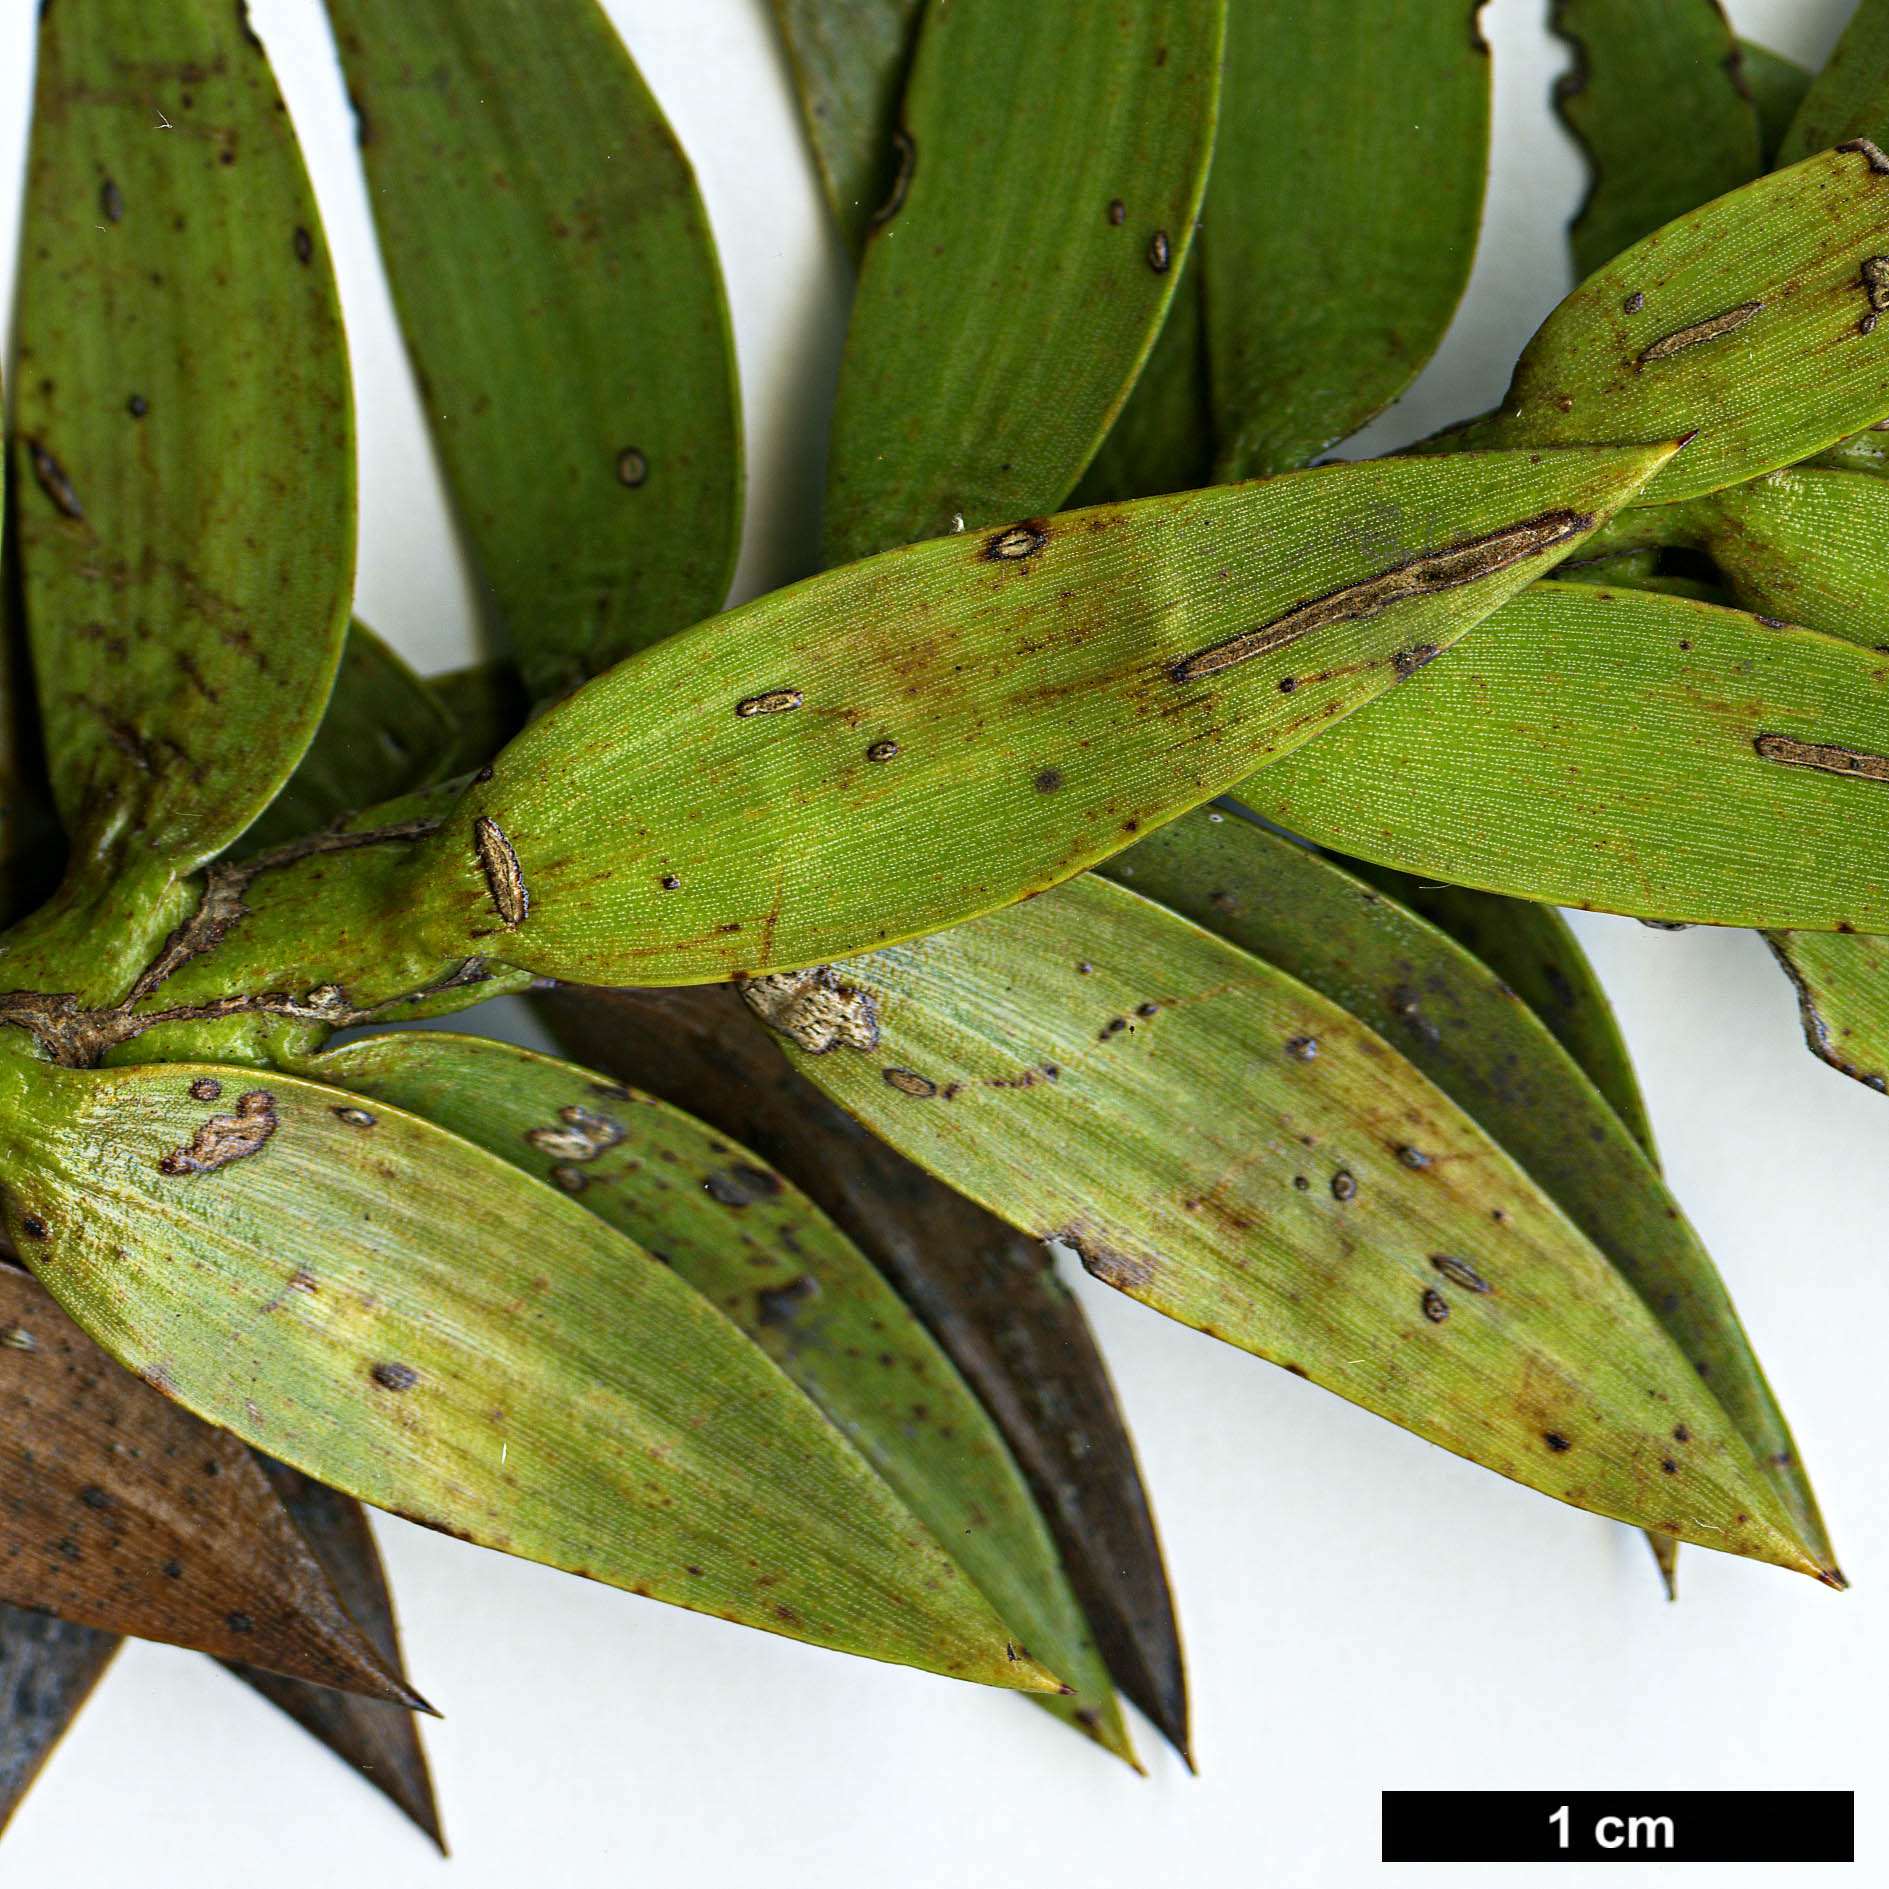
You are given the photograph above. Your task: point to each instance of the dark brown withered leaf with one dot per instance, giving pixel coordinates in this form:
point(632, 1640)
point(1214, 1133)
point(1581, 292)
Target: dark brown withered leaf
point(988, 1293)
point(381, 1741)
point(139, 1518)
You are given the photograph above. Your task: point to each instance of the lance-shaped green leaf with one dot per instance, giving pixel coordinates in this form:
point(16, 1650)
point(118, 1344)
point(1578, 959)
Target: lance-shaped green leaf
point(382, 1742)
point(899, 744)
point(48, 1668)
point(183, 408)
point(850, 60)
point(757, 1248)
point(1808, 545)
point(1533, 950)
point(1162, 439)
point(1342, 216)
point(1051, 167)
point(1849, 98)
point(1657, 97)
point(487, 704)
point(1224, 1144)
point(504, 1366)
point(1842, 997)
point(1752, 321)
point(1777, 86)
point(139, 1519)
point(562, 304)
point(988, 1293)
point(385, 734)
point(1623, 751)
point(1452, 1018)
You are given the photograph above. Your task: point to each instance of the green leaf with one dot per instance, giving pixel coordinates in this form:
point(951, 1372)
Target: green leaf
point(136, 1518)
point(382, 1742)
point(756, 1248)
point(511, 1370)
point(1806, 545)
point(1657, 97)
point(1750, 321)
point(1849, 98)
point(183, 408)
point(48, 1668)
point(1456, 1022)
point(1533, 951)
point(1843, 998)
point(1777, 86)
point(1162, 439)
point(1227, 1146)
point(1622, 751)
point(900, 744)
point(562, 304)
point(385, 734)
point(850, 60)
point(1328, 292)
point(1052, 167)
point(989, 1294)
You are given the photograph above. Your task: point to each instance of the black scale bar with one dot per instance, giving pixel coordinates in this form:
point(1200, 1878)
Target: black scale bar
point(1619, 1826)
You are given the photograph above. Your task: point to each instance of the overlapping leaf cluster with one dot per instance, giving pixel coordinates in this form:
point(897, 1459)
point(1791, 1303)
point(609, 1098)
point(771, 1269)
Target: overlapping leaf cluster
point(747, 1308)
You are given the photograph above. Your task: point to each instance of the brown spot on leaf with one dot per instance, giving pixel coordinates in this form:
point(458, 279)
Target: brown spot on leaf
point(354, 1117)
point(1556, 1441)
point(1436, 1308)
point(814, 1009)
point(882, 751)
point(51, 478)
point(1459, 1272)
point(394, 1377)
point(769, 702)
point(1825, 756)
point(1160, 253)
point(632, 468)
point(779, 1305)
point(1344, 1185)
point(909, 1083)
point(742, 1185)
point(205, 1089)
point(504, 879)
point(225, 1138)
point(1695, 334)
point(583, 1135)
point(1017, 543)
point(1422, 576)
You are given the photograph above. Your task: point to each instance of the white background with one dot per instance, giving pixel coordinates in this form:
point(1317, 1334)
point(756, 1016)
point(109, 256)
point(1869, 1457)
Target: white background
point(1361, 1609)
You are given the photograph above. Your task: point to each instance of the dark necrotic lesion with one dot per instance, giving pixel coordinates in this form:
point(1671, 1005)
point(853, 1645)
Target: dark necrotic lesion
point(1423, 576)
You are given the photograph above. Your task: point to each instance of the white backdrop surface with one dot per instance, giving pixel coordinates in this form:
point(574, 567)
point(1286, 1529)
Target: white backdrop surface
point(1362, 1611)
